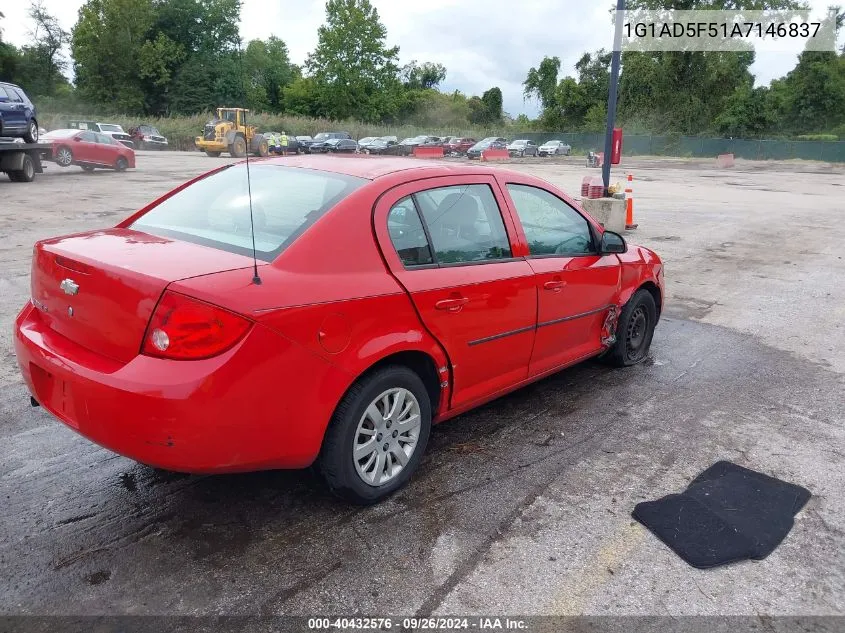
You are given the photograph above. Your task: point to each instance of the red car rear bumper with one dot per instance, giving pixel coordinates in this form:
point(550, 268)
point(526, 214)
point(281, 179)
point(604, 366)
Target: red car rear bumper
point(263, 404)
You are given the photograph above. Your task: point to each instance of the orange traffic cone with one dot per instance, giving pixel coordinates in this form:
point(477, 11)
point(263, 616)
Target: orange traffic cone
point(629, 204)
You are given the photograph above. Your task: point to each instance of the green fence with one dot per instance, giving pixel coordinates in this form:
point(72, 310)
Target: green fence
point(699, 147)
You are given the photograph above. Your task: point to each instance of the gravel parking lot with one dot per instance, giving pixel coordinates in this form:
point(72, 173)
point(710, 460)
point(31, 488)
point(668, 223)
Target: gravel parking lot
point(521, 507)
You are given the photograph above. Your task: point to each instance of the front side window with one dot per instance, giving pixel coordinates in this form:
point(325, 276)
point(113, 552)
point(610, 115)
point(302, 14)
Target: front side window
point(551, 226)
point(464, 223)
point(215, 211)
point(88, 137)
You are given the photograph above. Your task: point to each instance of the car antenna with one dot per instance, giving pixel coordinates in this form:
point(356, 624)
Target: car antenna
point(255, 278)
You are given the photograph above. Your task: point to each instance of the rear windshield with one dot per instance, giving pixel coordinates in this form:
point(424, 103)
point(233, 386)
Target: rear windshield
point(214, 211)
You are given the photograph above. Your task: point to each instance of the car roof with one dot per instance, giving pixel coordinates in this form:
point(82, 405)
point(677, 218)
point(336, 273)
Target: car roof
point(372, 167)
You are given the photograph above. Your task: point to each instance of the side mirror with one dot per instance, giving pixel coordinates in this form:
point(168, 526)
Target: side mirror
point(612, 243)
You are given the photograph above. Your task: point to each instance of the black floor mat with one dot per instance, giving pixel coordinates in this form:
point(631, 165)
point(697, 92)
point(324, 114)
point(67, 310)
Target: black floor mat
point(728, 513)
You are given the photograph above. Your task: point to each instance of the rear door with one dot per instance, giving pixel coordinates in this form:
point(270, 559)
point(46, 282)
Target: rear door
point(445, 240)
point(576, 286)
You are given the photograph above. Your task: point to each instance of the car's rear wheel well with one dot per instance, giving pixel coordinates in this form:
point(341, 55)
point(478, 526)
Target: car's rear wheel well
point(655, 293)
point(422, 365)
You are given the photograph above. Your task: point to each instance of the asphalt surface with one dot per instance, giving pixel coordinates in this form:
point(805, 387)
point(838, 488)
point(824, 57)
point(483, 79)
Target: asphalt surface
point(521, 507)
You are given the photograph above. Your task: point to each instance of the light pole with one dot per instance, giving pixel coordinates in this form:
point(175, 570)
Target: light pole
point(611, 96)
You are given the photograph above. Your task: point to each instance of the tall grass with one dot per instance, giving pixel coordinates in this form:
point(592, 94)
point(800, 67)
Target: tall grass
point(182, 130)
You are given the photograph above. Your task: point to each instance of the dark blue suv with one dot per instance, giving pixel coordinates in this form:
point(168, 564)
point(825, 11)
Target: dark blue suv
point(17, 114)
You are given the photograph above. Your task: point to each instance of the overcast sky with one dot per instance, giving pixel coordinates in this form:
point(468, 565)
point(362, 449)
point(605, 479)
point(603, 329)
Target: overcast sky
point(482, 43)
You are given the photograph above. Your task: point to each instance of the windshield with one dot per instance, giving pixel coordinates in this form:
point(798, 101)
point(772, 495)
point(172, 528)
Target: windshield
point(214, 211)
point(552, 142)
point(322, 136)
point(367, 139)
point(108, 127)
point(520, 143)
point(59, 134)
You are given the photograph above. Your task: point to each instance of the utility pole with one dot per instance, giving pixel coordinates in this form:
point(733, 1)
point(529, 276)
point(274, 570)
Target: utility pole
point(611, 96)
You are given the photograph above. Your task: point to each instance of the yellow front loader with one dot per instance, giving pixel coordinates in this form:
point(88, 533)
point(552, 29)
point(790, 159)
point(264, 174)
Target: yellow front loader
point(227, 132)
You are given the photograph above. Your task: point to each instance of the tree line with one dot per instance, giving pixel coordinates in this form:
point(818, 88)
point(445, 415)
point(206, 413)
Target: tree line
point(172, 57)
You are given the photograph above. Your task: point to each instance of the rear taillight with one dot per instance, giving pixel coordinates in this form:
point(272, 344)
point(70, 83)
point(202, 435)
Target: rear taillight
point(182, 328)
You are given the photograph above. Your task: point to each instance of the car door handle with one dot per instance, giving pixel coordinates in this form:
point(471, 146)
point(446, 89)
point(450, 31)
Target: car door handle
point(452, 305)
point(554, 285)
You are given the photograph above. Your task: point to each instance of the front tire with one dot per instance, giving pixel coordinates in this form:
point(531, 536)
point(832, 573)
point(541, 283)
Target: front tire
point(64, 157)
point(122, 164)
point(634, 331)
point(377, 435)
point(213, 154)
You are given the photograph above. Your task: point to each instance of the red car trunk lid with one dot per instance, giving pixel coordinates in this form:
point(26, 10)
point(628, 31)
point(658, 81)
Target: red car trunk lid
point(99, 289)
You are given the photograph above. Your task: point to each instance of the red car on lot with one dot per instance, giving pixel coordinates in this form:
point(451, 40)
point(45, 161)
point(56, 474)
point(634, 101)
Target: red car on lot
point(90, 150)
point(457, 145)
point(385, 296)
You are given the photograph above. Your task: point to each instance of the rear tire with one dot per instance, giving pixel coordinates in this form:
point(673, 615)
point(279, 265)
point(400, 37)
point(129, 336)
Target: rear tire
point(31, 135)
point(213, 154)
point(263, 149)
point(337, 463)
point(634, 331)
point(238, 147)
point(26, 173)
point(87, 167)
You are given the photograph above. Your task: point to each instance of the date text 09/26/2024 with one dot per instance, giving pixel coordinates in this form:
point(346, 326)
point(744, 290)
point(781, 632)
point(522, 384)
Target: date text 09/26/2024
point(417, 624)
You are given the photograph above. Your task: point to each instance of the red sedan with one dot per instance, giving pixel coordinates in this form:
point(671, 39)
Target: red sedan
point(458, 145)
point(90, 150)
point(385, 296)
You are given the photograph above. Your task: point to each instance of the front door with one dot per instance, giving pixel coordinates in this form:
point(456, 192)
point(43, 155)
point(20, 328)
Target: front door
point(13, 111)
point(445, 241)
point(576, 286)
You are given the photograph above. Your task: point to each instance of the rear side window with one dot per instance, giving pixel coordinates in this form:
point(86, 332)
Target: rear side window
point(462, 224)
point(215, 211)
point(408, 235)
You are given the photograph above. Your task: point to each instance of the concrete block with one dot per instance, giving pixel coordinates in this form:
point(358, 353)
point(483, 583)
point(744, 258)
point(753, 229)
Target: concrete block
point(609, 212)
point(725, 160)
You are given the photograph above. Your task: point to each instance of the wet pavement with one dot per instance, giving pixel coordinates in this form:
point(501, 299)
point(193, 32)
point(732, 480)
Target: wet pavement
point(519, 507)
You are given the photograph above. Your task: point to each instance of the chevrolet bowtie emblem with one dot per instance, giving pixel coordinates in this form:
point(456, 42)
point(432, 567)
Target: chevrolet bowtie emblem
point(69, 286)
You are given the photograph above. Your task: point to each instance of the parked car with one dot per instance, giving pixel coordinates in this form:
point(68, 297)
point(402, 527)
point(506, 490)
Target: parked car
point(333, 145)
point(380, 146)
point(89, 150)
point(458, 145)
point(447, 287)
point(554, 148)
point(302, 143)
point(363, 142)
point(147, 137)
point(409, 144)
point(322, 137)
point(491, 142)
point(109, 129)
point(18, 115)
point(522, 147)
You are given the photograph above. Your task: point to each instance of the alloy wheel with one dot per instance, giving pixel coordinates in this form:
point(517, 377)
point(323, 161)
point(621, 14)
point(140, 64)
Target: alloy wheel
point(386, 436)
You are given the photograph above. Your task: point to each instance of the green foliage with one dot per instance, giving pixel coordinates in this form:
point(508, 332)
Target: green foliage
point(541, 82)
point(354, 71)
point(422, 76)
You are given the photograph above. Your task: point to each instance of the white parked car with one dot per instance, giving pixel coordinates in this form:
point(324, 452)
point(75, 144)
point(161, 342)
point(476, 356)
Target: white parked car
point(554, 148)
